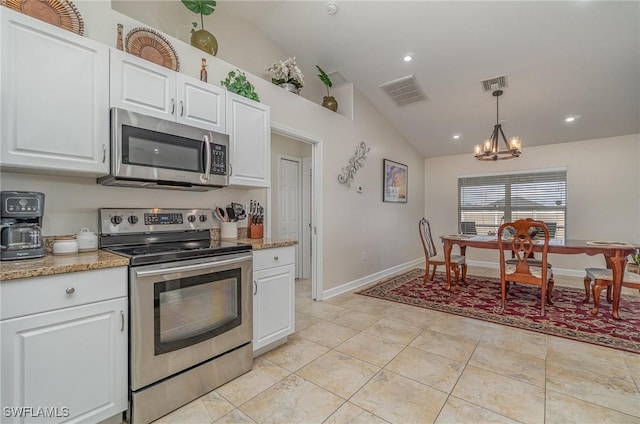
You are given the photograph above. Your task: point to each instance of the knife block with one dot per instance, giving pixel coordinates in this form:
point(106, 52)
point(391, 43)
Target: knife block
point(255, 231)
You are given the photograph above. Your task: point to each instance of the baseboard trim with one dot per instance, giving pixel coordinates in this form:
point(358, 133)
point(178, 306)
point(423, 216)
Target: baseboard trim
point(352, 285)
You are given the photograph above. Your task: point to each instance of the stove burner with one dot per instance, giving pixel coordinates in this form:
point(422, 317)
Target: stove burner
point(164, 252)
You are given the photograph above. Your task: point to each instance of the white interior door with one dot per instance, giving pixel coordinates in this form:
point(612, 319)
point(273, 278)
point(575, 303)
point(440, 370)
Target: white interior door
point(290, 201)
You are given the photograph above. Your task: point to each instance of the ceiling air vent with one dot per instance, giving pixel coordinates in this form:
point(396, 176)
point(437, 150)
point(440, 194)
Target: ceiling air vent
point(404, 91)
point(494, 83)
point(336, 78)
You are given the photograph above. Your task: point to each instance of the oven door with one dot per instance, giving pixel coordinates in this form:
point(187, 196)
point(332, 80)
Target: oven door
point(151, 149)
point(184, 313)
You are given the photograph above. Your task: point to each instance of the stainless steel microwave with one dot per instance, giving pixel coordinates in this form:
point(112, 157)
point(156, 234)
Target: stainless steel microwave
point(155, 153)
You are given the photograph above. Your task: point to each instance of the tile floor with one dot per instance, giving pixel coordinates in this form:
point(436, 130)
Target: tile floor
point(355, 359)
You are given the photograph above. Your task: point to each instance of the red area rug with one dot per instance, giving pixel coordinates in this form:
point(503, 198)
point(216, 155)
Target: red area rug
point(479, 298)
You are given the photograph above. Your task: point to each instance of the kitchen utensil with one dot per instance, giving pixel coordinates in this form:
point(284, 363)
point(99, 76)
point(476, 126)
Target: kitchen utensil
point(222, 216)
point(239, 210)
point(231, 214)
point(87, 241)
point(217, 215)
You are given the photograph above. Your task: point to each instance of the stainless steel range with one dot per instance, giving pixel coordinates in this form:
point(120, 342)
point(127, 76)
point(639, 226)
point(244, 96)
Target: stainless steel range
point(190, 306)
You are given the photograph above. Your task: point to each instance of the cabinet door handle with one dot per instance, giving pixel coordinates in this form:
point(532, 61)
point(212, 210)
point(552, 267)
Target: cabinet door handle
point(121, 321)
point(70, 290)
point(275, 258)
point(104, 153)
point(173, 105)
point(255, 287)
point(181, 108)
point(230, 169)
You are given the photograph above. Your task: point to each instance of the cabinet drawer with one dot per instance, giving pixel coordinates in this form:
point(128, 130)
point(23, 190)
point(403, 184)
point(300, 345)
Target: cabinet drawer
point(34, 295)
point(268, 258)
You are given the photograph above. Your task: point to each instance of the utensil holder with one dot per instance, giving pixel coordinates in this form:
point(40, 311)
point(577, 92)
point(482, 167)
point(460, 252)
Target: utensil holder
point(228, 230)
point(256, 231)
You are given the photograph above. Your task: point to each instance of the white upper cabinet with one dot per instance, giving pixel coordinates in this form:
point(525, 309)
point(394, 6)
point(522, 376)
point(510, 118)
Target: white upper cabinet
point(249, 129)
point(54, 108)
point(142, 86)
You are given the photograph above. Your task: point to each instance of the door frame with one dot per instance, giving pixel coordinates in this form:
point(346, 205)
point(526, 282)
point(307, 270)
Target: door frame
point(317, 222)
point(301, 245)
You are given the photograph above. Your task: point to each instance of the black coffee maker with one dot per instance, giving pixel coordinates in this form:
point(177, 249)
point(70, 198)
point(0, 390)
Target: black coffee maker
point(21, 225)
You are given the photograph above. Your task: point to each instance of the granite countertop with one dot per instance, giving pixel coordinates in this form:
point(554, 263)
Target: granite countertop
point(60, 264)
point(51, 265)
point(266, 243)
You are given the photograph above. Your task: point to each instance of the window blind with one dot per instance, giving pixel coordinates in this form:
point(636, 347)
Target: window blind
point(490, 200)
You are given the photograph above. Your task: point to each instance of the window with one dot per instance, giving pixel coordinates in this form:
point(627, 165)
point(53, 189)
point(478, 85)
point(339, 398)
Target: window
point(490, 200)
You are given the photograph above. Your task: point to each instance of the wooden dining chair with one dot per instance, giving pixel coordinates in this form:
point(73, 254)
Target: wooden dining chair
point(432, 258)
point(599, 278)
point(519, 237)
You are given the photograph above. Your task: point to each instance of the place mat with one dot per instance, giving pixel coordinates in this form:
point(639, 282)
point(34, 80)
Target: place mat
point(608, 243)
point(61, 13)
point(152, 46)
point(458, 236)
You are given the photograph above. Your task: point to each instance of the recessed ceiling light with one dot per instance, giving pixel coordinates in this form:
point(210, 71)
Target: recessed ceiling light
point(408, 58)
point(457, 136)
point(571, 118)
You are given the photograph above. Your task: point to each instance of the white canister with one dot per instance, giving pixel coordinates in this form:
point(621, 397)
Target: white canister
point(229, 230)
point(87, 241)
point(65, 246)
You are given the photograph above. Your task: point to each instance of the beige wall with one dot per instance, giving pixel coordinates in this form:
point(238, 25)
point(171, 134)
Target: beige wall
point(353, 222)
point(603, 199)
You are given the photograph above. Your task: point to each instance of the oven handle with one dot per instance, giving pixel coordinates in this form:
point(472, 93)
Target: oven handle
point(187, 268)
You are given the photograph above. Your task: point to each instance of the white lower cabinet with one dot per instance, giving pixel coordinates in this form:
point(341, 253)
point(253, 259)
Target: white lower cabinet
point(274, 296)
point(67, 361)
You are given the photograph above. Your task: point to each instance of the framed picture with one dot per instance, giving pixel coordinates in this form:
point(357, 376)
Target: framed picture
point(396, 178)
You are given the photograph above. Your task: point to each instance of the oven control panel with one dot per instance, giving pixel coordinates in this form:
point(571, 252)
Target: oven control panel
point(124, 221)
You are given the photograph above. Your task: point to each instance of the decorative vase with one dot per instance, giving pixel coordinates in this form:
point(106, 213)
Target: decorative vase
point(205, 41)
point(290, 87)
point(330, 103)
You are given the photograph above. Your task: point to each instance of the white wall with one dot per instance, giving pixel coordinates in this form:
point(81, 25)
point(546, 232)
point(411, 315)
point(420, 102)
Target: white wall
point(353, 222)
point(603, 199)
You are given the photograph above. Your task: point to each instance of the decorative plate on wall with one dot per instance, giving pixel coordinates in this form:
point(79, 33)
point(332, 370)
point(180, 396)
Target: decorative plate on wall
point(61, 13)
point(150, 45)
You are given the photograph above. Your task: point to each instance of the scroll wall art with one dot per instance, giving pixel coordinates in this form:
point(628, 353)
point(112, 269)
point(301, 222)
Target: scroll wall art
point(355, 163)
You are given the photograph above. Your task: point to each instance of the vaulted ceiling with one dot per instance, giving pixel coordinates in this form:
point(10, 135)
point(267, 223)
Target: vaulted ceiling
point(561, 58)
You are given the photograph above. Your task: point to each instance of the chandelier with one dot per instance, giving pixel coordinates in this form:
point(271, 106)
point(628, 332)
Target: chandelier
point(490, 150)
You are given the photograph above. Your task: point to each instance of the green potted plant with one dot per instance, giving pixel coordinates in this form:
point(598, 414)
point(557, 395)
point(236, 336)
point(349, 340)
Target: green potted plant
point(201, 38)
point(635, 257)
point(237, 82)
point(328, 101)
point(287, 74)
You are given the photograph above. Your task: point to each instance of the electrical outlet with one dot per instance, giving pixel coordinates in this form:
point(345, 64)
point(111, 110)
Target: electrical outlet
point(364, 255)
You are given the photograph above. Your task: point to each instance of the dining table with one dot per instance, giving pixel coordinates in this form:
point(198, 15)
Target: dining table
point(615, 254)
